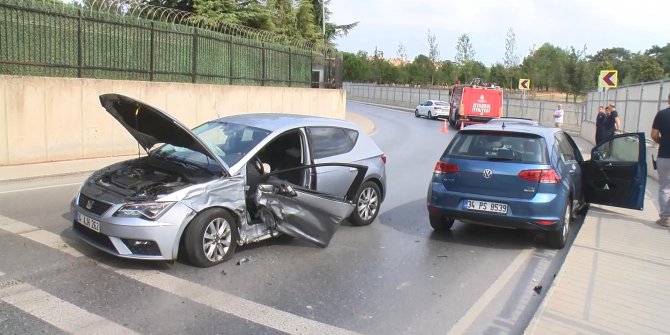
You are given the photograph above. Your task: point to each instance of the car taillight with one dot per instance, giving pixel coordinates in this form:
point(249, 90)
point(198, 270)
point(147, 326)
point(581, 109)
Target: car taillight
point(544, 176)
point(444, 167)
point(436, 107)
point(384, 158)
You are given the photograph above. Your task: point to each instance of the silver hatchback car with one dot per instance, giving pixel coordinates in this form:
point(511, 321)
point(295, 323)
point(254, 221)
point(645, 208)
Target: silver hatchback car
point(228, 182)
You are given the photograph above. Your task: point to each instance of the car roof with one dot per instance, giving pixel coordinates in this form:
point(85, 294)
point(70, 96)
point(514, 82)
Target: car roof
point(544, 131)
point(278, 121)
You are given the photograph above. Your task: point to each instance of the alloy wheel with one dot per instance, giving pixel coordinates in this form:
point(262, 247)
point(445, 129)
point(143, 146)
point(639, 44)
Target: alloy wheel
point(216, 239)
point(368, 202)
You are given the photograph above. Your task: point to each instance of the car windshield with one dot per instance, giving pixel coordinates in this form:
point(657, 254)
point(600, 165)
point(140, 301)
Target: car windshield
point(517, 147)
point(229, 141)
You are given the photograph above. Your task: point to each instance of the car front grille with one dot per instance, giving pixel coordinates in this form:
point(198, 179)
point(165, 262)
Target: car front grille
point(95, 206)
point(94, 236)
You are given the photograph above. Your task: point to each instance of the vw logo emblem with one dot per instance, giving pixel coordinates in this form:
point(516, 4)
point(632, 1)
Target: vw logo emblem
point(89, 204)
point(487, 173)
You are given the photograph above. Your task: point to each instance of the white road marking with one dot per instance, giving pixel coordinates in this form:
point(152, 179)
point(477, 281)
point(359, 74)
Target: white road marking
point(476, 309)
point(219, 300)
point(59, 313)
point(39, 188)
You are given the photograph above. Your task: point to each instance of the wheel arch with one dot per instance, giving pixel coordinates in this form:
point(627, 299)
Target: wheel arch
point(182, 230)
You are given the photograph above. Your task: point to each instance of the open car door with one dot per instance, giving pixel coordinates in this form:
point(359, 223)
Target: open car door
point(616, 174)
point(306, 213)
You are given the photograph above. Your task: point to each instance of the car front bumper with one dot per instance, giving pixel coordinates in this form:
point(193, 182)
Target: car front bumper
point(134, 238)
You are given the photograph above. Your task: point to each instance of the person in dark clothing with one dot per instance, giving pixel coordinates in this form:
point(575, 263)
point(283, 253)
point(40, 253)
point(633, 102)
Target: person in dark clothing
point(600, 125)
point(612, 123)
point(660, 133)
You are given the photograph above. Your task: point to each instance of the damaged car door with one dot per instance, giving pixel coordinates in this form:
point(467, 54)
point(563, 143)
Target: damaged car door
point(306, 213)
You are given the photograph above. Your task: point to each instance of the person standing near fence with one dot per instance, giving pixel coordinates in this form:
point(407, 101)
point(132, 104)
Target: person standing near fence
point(558, 116)
point(600, 125)
point(660, 133)
point(612, 123)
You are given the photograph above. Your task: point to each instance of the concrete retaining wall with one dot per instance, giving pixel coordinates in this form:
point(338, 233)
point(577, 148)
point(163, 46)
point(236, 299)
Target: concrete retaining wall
point(56, 119)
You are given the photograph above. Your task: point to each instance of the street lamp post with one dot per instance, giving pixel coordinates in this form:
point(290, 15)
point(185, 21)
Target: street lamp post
point(323, 19)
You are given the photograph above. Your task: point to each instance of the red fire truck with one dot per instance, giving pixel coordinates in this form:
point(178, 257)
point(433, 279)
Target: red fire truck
point(474, 103)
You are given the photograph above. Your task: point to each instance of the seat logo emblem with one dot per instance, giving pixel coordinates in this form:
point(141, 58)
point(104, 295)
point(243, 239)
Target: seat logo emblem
point(487, 173)
point(89, 204)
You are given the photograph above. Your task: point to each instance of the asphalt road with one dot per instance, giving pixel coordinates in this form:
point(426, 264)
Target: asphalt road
point(395, 276)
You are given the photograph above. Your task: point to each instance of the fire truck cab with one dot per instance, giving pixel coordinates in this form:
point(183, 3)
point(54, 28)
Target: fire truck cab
point(474, 103)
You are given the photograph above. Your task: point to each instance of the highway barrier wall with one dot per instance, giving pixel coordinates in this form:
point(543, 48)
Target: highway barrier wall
point(45, 119)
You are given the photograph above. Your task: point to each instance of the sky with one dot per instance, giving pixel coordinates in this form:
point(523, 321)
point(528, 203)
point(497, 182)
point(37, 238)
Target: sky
point(635, 25)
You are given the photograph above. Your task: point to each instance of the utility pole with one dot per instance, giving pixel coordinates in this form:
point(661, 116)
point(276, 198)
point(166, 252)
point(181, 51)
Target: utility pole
point(323, 20)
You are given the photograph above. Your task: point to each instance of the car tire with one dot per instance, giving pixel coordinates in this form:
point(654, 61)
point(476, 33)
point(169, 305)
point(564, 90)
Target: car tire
point(367, 201)
point(430, 115)
point(214, 230)
point(440, 222)
point(416, 113)
point(558, 238)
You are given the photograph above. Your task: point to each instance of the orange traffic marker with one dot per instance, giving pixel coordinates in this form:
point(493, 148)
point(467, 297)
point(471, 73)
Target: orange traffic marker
point(444, 127)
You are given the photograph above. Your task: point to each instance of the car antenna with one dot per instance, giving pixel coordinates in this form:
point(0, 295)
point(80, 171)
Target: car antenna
point(503, 125)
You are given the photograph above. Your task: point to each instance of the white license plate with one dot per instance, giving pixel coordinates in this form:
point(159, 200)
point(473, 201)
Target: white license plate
point(486, 206)
point(88, 222)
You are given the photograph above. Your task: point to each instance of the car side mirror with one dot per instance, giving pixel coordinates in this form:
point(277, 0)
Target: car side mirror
point(598, 155)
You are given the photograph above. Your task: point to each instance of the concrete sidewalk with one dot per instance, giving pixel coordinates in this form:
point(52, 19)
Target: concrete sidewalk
point(614, 278)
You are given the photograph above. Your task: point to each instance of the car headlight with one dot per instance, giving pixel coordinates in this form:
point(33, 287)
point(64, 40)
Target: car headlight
point(148, 210)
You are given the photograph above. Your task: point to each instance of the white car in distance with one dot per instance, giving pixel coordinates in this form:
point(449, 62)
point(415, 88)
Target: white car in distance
point(433, 109)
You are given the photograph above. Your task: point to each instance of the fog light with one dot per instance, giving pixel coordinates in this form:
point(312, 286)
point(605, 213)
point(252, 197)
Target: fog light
point(142, 247)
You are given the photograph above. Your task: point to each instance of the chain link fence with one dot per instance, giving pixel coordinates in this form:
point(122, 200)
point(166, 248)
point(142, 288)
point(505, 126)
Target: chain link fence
point(121, 39)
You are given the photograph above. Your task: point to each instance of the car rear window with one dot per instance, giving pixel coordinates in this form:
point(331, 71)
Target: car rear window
point(441, 103)
point(503, 146)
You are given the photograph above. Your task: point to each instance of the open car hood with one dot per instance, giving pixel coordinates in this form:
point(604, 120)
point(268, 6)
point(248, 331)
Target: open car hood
point(150, 126)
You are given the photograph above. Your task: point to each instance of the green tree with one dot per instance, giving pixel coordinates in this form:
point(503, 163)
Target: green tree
point(433, 54)
point(645, 68)
point(356, 66)
point(499, 74)
point(447, 73)
point(185, 5)
point(544, 66)
point(511, 58)
point(402, 53)
point(420, 70)
point(612, 59)
point(307, 28)
point(662, 55)
point(464, 50)
point(577, 73)
point(473, 69)
point(283, 17)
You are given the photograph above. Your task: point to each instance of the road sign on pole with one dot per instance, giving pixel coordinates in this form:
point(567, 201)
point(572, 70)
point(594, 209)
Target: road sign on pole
point(524, 84)
point(608, 79)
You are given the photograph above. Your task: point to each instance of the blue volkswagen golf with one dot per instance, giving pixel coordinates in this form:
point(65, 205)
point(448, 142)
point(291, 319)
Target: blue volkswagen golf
point(532, 177)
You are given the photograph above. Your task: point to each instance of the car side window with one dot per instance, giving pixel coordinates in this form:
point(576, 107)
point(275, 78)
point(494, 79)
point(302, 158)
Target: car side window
point(565, 150)
point(331, 141)
point(429, 103)
point(620, 149)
